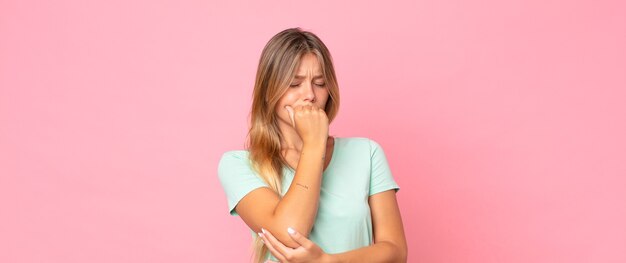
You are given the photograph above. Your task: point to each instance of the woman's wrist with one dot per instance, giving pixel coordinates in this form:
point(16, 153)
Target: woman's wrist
point(314, 149)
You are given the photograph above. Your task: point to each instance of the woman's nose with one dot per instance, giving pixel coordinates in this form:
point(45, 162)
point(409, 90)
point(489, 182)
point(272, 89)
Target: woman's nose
point(309, 95)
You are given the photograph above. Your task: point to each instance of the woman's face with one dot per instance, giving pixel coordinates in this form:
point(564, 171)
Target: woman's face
point(307, 86)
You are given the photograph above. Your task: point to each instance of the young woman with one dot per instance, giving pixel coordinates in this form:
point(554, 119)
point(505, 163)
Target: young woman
point(308, 196)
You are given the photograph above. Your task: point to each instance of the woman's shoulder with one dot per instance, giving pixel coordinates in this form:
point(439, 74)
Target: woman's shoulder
point(364, 144)
point(357, 145)
point(233, 157)
point(356, 140)
point(235, 153)
point(233, 165)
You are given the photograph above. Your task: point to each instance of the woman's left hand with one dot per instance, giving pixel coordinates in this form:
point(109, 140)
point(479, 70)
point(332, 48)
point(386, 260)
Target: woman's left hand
point(306, 252)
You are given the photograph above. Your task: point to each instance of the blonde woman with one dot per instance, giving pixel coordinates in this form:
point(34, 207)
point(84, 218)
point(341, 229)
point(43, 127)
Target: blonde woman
point(305, 195)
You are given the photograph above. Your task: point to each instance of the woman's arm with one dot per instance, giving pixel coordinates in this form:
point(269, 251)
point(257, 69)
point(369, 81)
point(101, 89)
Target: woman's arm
point(263, 208)
point(389, 240)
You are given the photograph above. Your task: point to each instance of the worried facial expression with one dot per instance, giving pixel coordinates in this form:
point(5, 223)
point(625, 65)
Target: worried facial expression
point(308, 86)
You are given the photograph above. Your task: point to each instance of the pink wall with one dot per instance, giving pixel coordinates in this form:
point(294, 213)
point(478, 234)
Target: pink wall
point(503, 122)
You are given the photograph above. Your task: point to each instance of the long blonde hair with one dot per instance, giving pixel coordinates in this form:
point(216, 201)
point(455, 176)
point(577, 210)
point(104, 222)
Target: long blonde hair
point(279, 61)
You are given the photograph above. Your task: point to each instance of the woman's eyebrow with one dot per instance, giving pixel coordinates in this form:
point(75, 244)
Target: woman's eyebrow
point(315, 77)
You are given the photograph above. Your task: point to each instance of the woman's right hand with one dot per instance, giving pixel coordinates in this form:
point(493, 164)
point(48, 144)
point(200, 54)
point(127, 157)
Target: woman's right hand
point(310, 122)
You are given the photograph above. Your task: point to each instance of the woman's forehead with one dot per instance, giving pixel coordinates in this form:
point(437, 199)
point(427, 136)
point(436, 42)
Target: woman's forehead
point(309, 66)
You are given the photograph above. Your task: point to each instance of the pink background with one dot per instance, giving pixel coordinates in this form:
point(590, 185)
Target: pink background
point(503, 122)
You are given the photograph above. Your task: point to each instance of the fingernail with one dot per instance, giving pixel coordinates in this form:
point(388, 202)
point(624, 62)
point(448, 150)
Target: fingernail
point(260, 234)
point(290, 230)
point(263, 230)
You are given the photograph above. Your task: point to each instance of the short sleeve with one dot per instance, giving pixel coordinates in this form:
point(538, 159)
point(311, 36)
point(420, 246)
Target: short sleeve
point(237, 177)
point(381, 178)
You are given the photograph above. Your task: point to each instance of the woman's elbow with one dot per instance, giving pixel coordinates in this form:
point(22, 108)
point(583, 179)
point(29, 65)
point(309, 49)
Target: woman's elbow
point(402, 252)
point(397, 252)
point(403, 256)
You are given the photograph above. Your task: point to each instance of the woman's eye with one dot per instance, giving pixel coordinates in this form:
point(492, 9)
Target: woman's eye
point(317, 84)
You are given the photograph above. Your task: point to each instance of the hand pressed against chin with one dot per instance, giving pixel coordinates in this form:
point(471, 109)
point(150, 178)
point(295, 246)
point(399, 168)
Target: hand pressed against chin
point(290, 109)
point(310, 122)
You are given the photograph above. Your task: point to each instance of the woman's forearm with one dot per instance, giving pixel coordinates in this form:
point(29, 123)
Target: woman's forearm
point(298, 207)
point(379, 252)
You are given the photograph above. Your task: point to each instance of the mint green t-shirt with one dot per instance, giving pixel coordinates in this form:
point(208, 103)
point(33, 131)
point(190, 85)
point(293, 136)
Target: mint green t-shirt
point(358, 169)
